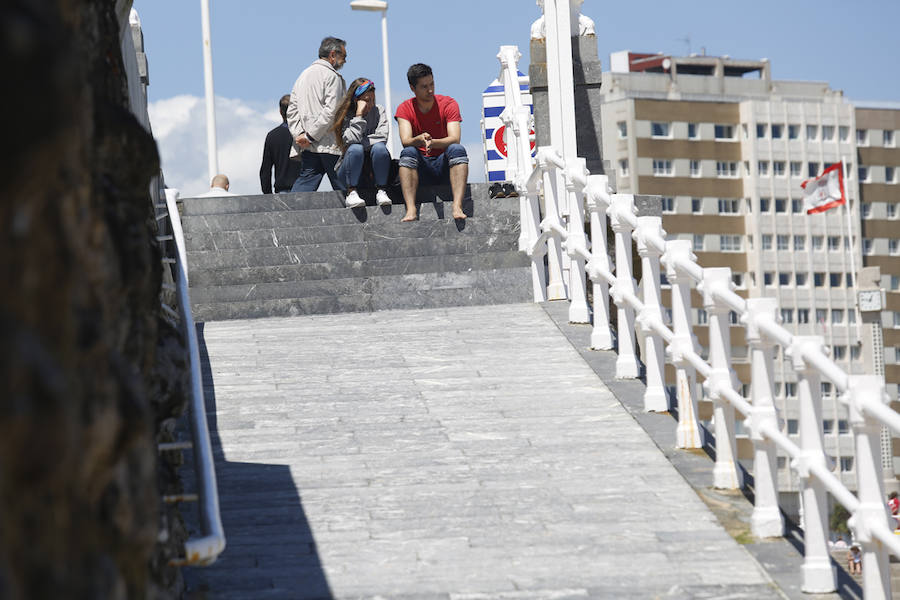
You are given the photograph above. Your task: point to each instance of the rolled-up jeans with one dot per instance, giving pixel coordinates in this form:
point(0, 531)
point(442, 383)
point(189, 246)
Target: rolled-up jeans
point(434, 169)
point(355, 157)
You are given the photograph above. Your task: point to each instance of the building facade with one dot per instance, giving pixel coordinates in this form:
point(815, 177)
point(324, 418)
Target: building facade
point(727, 148)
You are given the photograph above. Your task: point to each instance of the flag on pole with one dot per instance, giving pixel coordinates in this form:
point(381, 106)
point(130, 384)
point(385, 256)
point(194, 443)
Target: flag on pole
point(825, 191)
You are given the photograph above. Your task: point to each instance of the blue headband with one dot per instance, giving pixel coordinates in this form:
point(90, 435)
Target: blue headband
point(363, 88)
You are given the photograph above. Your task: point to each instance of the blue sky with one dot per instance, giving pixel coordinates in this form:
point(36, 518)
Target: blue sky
point(260, 47)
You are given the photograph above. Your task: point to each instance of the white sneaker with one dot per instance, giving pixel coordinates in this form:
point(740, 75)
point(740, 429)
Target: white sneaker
point(382, 199)
point(353, 200)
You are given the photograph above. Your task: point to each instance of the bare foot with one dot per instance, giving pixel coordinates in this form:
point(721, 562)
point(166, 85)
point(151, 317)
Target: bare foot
point(410, 216)
point(458, 212)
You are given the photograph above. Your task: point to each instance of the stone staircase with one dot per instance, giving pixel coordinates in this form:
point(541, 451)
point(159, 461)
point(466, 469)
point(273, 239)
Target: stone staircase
point(305, 253)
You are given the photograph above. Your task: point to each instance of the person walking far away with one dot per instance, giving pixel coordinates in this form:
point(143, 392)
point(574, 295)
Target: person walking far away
point(854, 560)
point(218, 187)
point(429, 126)
point(310, 114)
point(277, 155)
point(361, 130)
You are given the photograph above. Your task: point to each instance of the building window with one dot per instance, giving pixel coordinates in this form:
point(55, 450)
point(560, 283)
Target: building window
point(787, 315)
point(668, 204)
point(777, 131)
point(828, 426)
point(737, 279)
point(768, 278)
point(692, 131)
point(778, 168)
point(780, 205)
point(838, 352)
point(802, 315)
point(888, 138)
point(796, 168)
point(834, 243)
point(733, 319)
point(818, 279)
point(867, 246)
point(828, 132)
point(846, 464)
point(821, 313)
point(863, 174)
point(790, 389)
point(855, 351)
point(724, 132)
point(622, 126)
point(893, 247)
point(782, 241)
point(784, 279)
point(834, 279)
point(848, 280)
point(623, 168)
point(891, 211)
point(862, 137)
point(837, 317)
point(801, 279)
point(702, 317)
point(793, 132)
point(662, 168)
point(896, 319)
point(843, 426)
point(818, 242)
point(799, 243)
point(662, 130)
point(726, 169)
point(696, 205)
point(866, 210)
point(895, 282)
point(762, 167)
point(796, 206)
point(812, 169)
point(698, 243)
point(729, 206)
point(764, 205)
point(730, 243)
point(761, 129)
point(767, 241)
point(812, 132)
point(890, 175)
point(695, 168)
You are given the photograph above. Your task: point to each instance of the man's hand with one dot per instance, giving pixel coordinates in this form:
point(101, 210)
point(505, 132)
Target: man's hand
point(362, 108)
point(303, 141)
point(426, 141)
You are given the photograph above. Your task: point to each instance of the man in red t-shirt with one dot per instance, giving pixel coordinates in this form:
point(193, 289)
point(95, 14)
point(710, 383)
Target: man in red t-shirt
point(429, 132)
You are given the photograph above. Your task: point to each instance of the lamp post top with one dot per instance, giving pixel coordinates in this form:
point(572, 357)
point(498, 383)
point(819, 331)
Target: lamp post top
point(373, 5)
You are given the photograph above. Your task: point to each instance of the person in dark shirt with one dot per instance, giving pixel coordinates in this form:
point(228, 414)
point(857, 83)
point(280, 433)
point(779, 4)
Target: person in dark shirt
point(277, 153)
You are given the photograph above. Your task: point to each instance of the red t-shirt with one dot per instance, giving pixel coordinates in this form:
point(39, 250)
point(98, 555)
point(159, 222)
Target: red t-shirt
point(444, 110)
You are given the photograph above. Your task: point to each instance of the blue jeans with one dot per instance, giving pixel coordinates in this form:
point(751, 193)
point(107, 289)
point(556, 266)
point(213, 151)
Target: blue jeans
point(354, 159)
point(315, 166)
point(434, 169)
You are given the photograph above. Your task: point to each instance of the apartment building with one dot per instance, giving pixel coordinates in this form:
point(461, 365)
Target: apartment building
point(727, 148)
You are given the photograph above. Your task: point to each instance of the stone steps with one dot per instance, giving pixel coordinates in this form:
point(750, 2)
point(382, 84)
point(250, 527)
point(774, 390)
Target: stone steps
point(292, 254)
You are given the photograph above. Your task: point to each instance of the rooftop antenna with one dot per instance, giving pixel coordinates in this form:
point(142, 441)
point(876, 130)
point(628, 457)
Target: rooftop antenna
point(686, 40)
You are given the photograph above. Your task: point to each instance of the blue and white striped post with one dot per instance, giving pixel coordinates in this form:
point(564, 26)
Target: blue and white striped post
point(493, 131)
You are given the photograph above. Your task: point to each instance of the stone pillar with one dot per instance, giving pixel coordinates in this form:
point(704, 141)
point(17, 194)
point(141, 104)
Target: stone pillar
point(586, 71)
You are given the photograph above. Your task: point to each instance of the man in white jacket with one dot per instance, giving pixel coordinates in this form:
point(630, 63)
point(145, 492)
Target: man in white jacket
point(314, 101)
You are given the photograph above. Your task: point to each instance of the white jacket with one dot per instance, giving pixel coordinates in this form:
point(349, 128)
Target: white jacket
point(314, 100)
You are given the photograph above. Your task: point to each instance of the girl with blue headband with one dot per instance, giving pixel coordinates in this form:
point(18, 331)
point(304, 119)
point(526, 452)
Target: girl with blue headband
point(361, 129)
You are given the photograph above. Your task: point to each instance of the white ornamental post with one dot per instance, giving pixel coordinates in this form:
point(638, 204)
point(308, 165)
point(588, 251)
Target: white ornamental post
point(687, 433)
point(655, 399)
point(871, 513)
point(575, 179)
point(626, 361)
point(766, 520)
point(598, 201)
point(556, 287)
point(726, 472)
point(818, 575)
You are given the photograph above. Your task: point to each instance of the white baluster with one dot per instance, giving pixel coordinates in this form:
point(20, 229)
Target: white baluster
point(578, 306)
point(818, 574)
point(687, 434)
point(726, 472)
point(626, 362)
point(871, 513)
point(655, 399)
point(556, 287)
point(766, 520)
point(597, 202)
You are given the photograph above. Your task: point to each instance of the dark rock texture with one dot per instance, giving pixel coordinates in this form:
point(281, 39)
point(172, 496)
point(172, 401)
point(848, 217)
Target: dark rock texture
point(89, 369)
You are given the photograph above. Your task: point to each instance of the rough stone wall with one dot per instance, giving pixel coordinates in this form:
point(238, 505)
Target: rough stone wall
point(88, 368)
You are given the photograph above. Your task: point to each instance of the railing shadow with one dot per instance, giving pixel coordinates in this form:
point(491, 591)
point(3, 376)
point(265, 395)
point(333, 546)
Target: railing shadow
point(271, 551)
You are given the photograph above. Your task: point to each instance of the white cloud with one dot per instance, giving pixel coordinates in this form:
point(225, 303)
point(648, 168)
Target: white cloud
point(179, 126)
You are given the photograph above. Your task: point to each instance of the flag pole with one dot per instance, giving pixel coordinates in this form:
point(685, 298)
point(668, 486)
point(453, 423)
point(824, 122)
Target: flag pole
point(846, 194)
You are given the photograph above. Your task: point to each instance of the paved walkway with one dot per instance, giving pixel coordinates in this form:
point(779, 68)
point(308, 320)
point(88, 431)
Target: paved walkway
point(462, 453)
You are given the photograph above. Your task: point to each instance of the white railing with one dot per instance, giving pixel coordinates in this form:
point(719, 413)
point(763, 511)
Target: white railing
point(549, 233)
point(202, 550)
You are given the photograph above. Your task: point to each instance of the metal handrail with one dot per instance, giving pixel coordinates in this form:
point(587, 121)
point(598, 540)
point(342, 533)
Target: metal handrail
point(203, 550)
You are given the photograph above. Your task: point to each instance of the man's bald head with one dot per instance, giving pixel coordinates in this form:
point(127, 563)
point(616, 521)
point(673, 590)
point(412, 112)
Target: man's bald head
point(220, 181)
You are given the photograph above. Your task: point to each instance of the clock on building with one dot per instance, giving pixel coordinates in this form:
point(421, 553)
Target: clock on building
point(870, 300)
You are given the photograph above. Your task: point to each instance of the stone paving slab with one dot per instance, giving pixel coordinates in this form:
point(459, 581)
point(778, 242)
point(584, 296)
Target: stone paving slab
point(463, 453)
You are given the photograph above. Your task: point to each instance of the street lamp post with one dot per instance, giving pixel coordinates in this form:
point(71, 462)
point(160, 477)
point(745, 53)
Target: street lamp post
point(211, 152)
point(381, 6)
